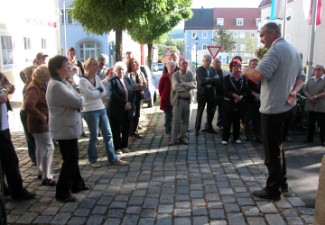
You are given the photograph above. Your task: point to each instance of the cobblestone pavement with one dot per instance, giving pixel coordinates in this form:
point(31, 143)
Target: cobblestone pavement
point(202, 183)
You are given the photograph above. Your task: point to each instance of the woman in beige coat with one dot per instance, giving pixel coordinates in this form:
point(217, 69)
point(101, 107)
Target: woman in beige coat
point(315, 103)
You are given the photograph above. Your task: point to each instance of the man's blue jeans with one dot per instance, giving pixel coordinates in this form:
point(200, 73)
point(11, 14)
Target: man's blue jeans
point(98, 119)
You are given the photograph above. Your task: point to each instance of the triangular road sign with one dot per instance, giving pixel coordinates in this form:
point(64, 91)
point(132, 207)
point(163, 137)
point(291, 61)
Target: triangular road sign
point(214, 50)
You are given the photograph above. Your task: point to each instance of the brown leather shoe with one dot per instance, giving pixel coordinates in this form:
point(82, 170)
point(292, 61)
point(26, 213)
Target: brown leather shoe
point(120, 163)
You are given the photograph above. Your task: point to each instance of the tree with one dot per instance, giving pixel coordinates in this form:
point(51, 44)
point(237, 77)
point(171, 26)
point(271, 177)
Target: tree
point(251, 45)
point(225, 40)
point(102, 16)
point(154, 24)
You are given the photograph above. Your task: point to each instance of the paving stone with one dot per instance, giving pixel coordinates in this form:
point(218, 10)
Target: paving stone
point(250, 211)
point(182, 221)
point(95, 220)
point(61, 218)
point(199, 220)
point(267, 207)
point(256, 221)
point(77, 220)
point(274, 219)
point(81, 212)
point(164, 219)
point(166, 208)
point(236, 218)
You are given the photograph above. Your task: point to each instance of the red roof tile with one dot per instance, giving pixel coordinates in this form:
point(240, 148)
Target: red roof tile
point(230, 15)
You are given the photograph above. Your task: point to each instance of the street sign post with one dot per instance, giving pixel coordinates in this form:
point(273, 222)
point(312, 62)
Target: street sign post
point(214, 50)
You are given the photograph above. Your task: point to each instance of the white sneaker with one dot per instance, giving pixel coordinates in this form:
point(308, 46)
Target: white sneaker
point(125, 150)
point(224, 142)
point(238, 141)
point(95, 165)
point(119, 152)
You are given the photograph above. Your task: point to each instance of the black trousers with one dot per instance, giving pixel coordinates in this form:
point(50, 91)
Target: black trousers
point(318, 117)
point(10, 164)
point(273, 128)
point(231, 118)
point(252, 120)
point(120, 125)
point(70, 177)
point(209, 99)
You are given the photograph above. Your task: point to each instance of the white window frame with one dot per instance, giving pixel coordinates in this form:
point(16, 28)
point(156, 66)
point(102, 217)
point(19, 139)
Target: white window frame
point(252, 35)
point(234, 47)
point(43, 43)
point(242, 34)
point(239, 22)
point(194, 35)
point(204, 46)
point(235, 34)
point(242, 47)
point(220, 22)
point(27, 43)
point(86, 51)
point(204, 34)
point(7, 51)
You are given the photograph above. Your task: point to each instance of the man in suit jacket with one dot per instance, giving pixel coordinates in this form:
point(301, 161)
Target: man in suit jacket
point(206, 78)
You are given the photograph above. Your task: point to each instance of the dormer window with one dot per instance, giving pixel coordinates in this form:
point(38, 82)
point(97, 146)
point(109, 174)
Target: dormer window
point(220, 22)
point(240, 22)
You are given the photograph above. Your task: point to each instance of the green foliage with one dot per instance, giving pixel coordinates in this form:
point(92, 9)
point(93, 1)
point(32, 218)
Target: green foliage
point(145, 20)
point(259, 52)
point(225, 40)
point(250, 45)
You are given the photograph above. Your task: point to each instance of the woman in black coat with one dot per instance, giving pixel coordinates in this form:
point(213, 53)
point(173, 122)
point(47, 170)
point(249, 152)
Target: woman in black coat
point(119, 107)
point(234, 87)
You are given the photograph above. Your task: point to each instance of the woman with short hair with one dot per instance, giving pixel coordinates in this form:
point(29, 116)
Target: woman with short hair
point(315, 103)
point(119, 107)
point(64, 104)
point(35, 105)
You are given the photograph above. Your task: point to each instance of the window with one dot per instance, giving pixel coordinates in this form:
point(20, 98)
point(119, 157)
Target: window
point(257, 21)
point(89, 49)
point(220, 22)
point(27, 43)
point(242, 34)
point(242, 47)
point(235, 34)
point(240, 22)
point(253, 35)
point(204, 34)
point(204, 47)
point(68, 18)
point(43, 43)
point(234, 47)
point(194, 35)
point(6, 48)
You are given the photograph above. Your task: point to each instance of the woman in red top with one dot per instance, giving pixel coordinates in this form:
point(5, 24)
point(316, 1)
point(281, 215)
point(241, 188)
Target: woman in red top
point(164, 87)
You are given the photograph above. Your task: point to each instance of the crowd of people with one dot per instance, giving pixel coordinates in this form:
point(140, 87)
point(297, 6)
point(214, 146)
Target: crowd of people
point(59, 96)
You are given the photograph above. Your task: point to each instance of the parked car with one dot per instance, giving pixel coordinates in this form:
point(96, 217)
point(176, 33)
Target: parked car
point(160, 66)
point(155, 67)
point(150, 94)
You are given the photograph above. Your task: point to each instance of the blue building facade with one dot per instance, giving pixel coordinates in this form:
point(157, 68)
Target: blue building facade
point(86, 44)
point(198, 34)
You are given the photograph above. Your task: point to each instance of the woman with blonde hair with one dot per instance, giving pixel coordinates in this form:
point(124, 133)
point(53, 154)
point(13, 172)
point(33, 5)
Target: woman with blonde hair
point(35, 105)
point(96, 116)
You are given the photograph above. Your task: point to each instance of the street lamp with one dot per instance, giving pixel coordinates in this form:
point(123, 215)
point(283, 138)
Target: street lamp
point(196, 44)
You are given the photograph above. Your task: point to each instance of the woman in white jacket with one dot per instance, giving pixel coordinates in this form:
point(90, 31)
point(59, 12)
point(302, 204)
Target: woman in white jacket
point(96, 116)
point(64, 104)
